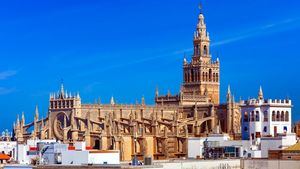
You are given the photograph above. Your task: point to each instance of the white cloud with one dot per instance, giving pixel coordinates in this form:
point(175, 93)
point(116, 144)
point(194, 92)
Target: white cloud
point(259, 31)
point(6, 74)
point(4, 91)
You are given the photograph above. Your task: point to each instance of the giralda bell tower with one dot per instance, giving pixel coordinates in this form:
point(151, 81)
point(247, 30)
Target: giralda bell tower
point(201, 74)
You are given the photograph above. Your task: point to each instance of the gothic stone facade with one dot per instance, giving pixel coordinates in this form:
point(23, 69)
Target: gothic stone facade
point(160, 131)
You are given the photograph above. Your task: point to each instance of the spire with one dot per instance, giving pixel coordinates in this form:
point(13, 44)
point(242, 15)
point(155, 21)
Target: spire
point(112, 100)
point(228, 97)
point(156, 92)
point(62, 91)
point(78, 95)
point(260, 94)
point(201, 40)
point(184, 59)
point(169, 93)
point(201, 27)
point(143, 100)
point(23, 118)
point(36, 112)
point(18, 120)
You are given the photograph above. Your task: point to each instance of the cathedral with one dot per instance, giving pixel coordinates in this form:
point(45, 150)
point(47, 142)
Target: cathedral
point(161, 130)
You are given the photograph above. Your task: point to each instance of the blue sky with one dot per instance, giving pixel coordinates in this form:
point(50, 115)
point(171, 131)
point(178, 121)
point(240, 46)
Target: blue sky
point(127, 48)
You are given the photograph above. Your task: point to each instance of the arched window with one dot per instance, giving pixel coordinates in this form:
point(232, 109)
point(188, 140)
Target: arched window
point(185, 77)
point(217, 77)
point(273, 116)
point(287, 116)
point(214, 77)
point(266, 118)
point(278, 116)
point(252, 116)
point(246, 117)
point(206, 76)
point(210, 75)
point(257, 116)
point(282, 116)
point(205, 50)
point(203, 76)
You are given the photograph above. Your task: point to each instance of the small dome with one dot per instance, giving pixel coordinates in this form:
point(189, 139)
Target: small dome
point(201, 16)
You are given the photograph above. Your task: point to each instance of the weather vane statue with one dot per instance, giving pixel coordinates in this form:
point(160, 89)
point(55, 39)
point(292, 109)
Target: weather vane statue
point(200, 7)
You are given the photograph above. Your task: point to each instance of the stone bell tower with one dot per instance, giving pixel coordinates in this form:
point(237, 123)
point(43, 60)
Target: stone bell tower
point(201, 74)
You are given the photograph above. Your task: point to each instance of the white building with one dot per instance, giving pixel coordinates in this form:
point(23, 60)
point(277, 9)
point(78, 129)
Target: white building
point(266, 125)
point(265, 118)
point(9, 148)
point(27, 152)
point(196, 145)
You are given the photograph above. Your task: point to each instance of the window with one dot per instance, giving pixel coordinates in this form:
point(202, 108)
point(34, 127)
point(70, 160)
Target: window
point(287, 116)
point(265, 129)
point(285, 129)
point(257, 116)
point(273, 116)
point(266, 118)
point(282, 116)
point(252, 116)
point(278, 116)
point(205, 50)
point(246, 117)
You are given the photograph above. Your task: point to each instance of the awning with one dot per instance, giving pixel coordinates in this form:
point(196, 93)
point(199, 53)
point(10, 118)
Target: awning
point(4, 157)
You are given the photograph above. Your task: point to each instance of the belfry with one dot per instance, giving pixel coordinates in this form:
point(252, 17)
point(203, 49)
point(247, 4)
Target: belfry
point(201, 75)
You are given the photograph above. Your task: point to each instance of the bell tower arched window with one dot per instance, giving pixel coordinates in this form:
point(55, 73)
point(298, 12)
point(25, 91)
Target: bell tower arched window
point(192, 75)
point(205, 50)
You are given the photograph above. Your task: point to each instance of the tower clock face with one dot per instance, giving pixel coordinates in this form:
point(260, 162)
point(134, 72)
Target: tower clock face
point(59, 124)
